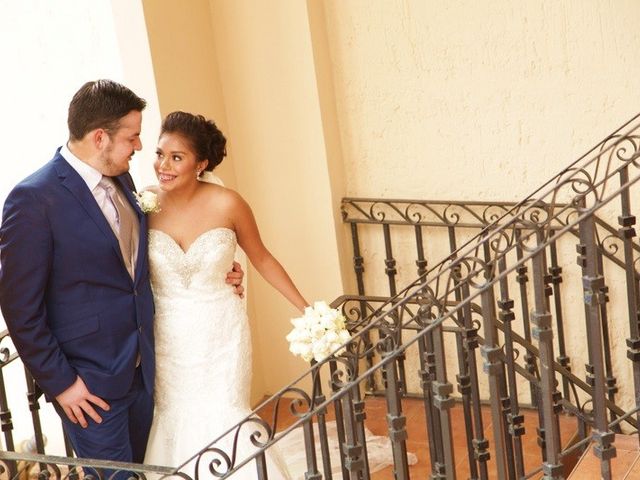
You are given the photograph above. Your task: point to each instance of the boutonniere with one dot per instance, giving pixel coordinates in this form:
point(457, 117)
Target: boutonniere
point(147, 201)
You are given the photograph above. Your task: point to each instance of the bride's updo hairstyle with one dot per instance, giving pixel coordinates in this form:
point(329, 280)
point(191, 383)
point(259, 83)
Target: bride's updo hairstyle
point(207, 141)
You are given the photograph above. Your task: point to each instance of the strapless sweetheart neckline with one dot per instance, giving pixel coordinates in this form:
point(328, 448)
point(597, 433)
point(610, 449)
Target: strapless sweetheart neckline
point(197, 239)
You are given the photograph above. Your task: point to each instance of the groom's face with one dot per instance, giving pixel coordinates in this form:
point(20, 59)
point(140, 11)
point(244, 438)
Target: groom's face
point(121, 145)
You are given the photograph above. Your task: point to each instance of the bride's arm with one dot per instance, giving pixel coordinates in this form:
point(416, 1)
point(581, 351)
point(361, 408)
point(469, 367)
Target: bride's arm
point(265, 263)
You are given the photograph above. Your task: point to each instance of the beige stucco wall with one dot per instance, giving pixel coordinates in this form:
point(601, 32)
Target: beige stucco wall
point(477, 100)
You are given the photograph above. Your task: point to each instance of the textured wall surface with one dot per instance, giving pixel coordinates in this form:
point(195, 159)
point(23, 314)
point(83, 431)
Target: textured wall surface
point(466, 100)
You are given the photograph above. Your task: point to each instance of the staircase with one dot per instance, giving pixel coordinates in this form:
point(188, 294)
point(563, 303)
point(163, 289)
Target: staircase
point(526, 309)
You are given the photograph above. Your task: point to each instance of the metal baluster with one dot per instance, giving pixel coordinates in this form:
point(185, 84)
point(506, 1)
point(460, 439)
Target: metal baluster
point(555, 272)
point(351, 448)
point(502, 384)
point(261, 467)
point(358, 261)
point(312, 472)
point(395, 419)
point(492, 354)
point(611, 381)
point(421, 263)
point(523, 279)
point(627, 233)
point(443, 402)
point(543, 333)
point(530, 360)
point(464, 380)
point(7, 424)
point(337, 407)
point(515, 420)
point(593, 282)
point(480, 443)
point(390, 270)
point(33, 394)
point(436, 398)
point(427, 374)
point(463, 350)
point(389, 262)
point(437, 454)
point(318, 399)
point(358, 267)
point(359, 416)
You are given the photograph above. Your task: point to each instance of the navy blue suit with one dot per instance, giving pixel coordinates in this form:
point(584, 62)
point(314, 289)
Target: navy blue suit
point(72, 308)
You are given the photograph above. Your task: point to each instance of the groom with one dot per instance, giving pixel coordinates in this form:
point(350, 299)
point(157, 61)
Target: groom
point(74, 278)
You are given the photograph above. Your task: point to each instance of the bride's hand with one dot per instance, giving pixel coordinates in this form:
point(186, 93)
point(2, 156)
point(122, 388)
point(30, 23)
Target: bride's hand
point(235, 277)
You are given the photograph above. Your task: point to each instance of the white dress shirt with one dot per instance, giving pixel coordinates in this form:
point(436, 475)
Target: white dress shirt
point(90, 175)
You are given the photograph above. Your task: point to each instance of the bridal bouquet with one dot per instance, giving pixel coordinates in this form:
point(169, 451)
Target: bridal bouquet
point(318, 333)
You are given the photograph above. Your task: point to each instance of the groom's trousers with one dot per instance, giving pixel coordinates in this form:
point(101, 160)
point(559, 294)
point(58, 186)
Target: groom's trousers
point(122, 436)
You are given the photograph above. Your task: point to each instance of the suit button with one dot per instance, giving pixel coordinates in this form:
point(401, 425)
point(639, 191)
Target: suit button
point(135, 292)
point(140, 329)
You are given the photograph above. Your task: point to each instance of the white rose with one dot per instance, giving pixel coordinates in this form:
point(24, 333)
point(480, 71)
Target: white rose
point(320, 352)
point(321, 308)
point(299, 323)
point(331, 336)
point(327, 322)
point(148, 201)
point(293, 336)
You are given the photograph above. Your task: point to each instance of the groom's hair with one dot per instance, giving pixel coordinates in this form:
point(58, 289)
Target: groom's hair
point(100, 104)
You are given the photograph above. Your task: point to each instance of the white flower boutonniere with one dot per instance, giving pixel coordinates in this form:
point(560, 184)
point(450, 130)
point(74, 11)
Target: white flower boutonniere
point(147, 201)
point(318, 333)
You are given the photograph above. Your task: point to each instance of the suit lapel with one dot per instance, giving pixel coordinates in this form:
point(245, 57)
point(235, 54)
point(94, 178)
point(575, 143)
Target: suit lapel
point(73, 182)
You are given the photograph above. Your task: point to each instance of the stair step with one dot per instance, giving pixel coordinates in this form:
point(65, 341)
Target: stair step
point(626, 464)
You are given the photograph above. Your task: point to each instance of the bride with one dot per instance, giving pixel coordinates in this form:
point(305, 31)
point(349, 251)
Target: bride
point(203, 346)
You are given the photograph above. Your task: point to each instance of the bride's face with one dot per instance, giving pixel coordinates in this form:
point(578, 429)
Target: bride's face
point(175, 163)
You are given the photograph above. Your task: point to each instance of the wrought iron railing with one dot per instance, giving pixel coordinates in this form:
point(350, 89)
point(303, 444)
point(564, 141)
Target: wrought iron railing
point(463, 306)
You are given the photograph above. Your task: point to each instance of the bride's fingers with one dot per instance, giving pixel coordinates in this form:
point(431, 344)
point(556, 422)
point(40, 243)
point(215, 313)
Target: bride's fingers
point(237, 268)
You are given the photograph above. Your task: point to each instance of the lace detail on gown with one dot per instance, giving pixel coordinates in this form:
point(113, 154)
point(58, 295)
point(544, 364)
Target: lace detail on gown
point(203, 351)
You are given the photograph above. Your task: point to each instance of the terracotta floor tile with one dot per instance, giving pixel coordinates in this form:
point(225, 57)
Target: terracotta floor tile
point(417, 443)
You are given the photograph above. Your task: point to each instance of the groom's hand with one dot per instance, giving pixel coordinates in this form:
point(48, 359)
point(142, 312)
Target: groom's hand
point(234, 277)
point(76, 401)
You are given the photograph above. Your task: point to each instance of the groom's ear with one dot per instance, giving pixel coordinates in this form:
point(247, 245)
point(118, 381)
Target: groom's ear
point(98, 138)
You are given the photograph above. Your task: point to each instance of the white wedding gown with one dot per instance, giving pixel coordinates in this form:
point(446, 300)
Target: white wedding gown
point(203, 355)
point(203, 365)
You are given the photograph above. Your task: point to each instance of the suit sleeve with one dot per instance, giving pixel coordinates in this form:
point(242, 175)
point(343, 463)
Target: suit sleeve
point(26, 252)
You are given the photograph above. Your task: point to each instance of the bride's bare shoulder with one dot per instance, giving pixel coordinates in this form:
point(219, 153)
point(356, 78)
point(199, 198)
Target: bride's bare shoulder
point(224, 198)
